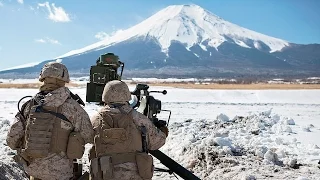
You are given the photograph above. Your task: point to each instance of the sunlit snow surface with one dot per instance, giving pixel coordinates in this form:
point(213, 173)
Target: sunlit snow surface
point(22, 66)
point(277, 127)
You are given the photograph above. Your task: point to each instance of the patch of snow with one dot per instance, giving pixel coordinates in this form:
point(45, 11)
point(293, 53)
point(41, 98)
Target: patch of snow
point(241, 43)
point(288, 121)
point(248, 177)
point(302, 178)
point(223, 142)
point(256, 44)
point(306, 129)
point(314, 78)
point(203, 47)
point(19, 81)
point(270, 157)
point(223, 118)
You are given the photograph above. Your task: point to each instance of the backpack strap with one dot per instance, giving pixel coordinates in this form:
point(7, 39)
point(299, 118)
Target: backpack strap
point(39, 98)
point(59, 115)
point(143, 130)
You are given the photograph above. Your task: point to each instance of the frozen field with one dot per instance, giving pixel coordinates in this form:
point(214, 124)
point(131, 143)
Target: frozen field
point(277, 128)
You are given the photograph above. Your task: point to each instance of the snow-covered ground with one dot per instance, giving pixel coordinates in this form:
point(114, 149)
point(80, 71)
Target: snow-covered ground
point(225, 134)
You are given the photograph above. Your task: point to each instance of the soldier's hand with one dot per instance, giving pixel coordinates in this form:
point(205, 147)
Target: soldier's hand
point(165, 130)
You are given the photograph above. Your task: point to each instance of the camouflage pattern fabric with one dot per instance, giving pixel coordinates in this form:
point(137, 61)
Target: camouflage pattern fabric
point(155, 139)
point(54, 70)
point(116, 91)
point(54, 166)
point(126, 171)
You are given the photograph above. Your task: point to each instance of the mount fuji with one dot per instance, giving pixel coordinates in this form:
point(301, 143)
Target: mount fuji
point(187, 40)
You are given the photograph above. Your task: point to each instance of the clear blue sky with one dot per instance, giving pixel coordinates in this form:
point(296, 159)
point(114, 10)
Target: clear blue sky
point(33, 30)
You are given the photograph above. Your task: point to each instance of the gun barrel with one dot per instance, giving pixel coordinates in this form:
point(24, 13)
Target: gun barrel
point(163, 92)
point(174, 166)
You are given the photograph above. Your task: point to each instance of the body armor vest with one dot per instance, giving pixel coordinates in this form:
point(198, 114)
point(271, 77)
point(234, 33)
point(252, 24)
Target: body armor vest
point(46, 131)
point(117, 133)
point(118, 140)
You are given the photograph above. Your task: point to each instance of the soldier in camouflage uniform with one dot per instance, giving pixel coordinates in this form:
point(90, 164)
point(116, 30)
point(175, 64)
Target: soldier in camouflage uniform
point(122, 138)
point(54, 164)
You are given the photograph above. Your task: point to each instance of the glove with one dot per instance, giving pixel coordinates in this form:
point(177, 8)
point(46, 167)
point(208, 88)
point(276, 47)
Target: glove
point(165, 130)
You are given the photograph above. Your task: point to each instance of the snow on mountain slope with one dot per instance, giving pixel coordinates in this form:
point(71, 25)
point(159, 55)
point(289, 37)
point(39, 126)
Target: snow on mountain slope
point(32, 64)
point(188, 24)
point(22, 66)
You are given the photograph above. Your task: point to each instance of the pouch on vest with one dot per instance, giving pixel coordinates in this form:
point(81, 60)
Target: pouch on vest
point(75, 147)
point(92, 152)
point(102, 168)
point(94, 169)
point(145, 165)
point(114, 135)
point(106, 167)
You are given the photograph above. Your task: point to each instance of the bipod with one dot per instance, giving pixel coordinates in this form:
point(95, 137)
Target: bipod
point(165, 170)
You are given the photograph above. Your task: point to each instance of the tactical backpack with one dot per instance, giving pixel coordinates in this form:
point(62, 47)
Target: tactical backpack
point(48, 131)
point(119, 140)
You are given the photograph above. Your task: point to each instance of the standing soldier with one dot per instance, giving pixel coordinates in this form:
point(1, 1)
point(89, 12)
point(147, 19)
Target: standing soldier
point(122, 138)
point(51, 129)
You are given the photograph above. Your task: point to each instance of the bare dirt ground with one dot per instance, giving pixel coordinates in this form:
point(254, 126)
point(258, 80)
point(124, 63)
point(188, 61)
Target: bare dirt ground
point(30, 85)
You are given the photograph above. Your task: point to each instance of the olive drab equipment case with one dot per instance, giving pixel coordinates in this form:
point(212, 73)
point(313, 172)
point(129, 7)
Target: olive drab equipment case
point(105, 70)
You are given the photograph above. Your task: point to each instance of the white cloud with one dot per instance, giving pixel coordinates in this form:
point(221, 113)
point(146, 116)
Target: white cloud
point(47, 40)
point(31, 8)
point(53, 41)
point(56, 14)
point(104, 36)
point(1, 4)
point(40, 40)
point(20, 1)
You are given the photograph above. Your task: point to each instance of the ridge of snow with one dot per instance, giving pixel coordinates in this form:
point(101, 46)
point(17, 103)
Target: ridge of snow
point(190, 25)
point(22, 66)
point(241, 43)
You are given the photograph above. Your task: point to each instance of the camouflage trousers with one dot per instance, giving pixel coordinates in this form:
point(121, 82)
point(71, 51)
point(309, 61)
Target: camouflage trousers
point(53, 167)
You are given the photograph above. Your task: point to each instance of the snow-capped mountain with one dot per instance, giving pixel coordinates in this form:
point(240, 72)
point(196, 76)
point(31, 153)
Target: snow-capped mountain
point(187, 39)
point(190, 25)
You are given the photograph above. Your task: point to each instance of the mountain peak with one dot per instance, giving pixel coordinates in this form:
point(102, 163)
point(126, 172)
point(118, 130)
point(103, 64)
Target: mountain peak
point(185, 8)
point(191, 25)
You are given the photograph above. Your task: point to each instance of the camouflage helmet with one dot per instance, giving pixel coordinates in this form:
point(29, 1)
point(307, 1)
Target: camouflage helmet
point(116, 91)
point(54, 70)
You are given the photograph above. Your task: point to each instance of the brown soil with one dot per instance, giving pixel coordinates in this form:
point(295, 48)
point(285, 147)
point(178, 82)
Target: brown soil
point(30, 85)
